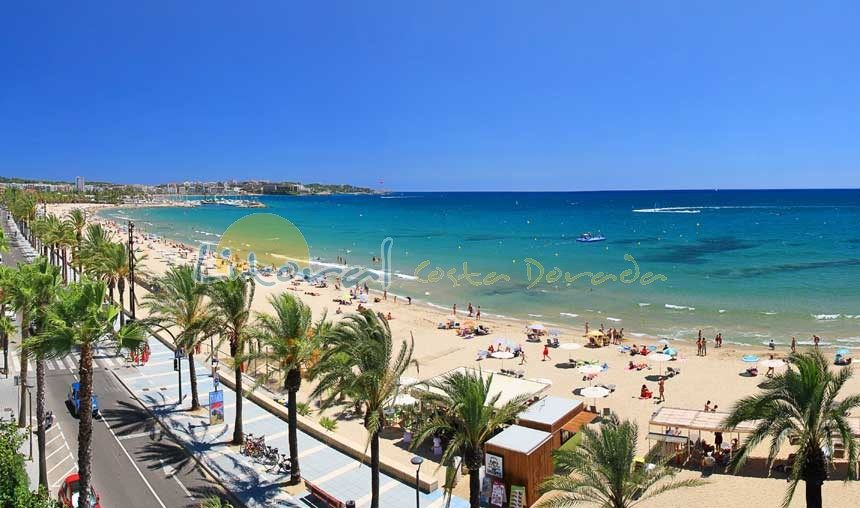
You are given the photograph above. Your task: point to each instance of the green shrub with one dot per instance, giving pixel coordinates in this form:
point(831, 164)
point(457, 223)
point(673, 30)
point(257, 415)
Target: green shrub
point(329, 424)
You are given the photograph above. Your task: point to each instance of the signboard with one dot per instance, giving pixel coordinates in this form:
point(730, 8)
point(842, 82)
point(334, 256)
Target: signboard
point(494, 465)
point(497, 498)
point(216, 407)
point(518, 497)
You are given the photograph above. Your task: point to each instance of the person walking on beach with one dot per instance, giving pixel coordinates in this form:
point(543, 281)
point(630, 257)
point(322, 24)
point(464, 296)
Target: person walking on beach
point(793, 345)
point(478, 314)
point(661, 387)
point(408, 300)
point(815, 340)
point(586, 327)
point(545, 353)
point(704, 344)
point(454, 309)
point(522, 356)
point(470, 309)
point(385, 294)
point(699, 346)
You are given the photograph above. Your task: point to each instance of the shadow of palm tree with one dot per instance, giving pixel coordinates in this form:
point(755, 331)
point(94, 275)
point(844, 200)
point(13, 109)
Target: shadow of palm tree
point(128, 418)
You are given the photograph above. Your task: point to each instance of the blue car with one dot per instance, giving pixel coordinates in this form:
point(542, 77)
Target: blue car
point(75, 403)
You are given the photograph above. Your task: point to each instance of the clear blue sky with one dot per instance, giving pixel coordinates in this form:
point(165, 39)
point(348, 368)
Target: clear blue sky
point(435, 95)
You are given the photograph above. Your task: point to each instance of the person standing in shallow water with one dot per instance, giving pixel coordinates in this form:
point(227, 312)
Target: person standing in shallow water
point(793, 345)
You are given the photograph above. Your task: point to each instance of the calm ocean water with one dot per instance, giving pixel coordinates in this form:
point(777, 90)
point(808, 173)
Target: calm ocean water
point(753, 264)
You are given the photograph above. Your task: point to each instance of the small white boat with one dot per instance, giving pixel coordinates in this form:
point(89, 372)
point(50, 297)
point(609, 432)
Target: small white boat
point(588, 238)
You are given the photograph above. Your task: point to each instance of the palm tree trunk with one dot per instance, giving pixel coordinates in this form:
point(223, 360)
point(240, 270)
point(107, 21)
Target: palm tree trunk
point(121, 290)
point(85, 427)
point(40, 419)
point(374, 470)
point(815, 472)
point(25, 361)
point(65, 267)
point(237, 426)
point(111, 285)
point(473, 464)
point(192, 375)
point(293, 383)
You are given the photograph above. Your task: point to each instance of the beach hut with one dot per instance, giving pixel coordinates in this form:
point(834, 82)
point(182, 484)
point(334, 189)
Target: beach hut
point(519, 458)
point(560, 416)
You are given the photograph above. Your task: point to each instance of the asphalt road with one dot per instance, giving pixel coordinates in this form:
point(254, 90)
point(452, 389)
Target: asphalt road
point(134, 465)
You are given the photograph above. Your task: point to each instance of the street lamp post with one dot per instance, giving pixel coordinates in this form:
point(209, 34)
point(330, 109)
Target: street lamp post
point(416, 461)
point(30, 397)
point(177, 356)
point(131, 268)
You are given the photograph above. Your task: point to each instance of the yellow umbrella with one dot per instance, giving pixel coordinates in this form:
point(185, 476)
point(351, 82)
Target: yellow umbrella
point(594, 333)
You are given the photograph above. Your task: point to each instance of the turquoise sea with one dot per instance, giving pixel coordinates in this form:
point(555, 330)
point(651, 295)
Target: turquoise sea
point(755, 265)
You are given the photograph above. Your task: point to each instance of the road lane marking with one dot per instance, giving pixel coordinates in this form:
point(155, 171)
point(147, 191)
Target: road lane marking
point(134, 464)
point(67, 457)
point(170, 472)
point(54, 452)
point(139, 434)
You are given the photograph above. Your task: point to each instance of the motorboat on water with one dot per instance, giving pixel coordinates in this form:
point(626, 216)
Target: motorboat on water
point(588, 238)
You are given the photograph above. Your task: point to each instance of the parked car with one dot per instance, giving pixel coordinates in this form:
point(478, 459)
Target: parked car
point(75, 403)
point(70, 491)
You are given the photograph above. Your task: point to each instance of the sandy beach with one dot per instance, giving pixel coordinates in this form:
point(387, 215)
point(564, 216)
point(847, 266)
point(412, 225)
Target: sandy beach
point(716, 377)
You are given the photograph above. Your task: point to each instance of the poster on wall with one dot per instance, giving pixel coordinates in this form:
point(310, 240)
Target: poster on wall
point(486, 489)
point(518, 497)
point(497, 498)
point(494, 465)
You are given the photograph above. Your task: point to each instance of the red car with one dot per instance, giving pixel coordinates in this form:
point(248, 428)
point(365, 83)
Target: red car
point(70, 492)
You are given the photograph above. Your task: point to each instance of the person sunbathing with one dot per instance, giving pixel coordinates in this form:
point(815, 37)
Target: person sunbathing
point(644, 351)
point(645, 393)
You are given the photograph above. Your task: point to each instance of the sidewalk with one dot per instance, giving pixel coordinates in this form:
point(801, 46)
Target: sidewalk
point(9, 405)
point(155, 385)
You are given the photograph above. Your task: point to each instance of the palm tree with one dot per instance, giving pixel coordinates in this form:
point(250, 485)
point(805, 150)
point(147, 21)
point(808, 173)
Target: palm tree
point(78, 318)
point(289, 335)
point(800, 403)
point(181, 304)
point(600, 470)
point(467, 411)
point(359, 361)
point(32, 290)
point(77, 220)
point(110, 264)
point(232, 299)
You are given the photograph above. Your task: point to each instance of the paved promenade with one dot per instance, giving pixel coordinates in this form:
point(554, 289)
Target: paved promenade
point(156, 385)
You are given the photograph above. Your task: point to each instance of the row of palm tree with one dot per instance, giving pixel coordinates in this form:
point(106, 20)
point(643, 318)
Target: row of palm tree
point(59, 317)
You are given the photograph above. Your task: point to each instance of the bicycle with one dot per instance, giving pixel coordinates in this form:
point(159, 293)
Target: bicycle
point(269, 456)
point(253, 447)
point(284, 465)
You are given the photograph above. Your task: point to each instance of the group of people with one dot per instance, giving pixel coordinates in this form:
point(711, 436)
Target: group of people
point(702, 343)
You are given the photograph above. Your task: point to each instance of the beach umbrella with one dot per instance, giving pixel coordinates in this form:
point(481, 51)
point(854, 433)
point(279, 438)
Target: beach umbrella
point(407, 381)
point(843, 351)
point(771, 363)
point(594, 333)
point(590, 369)
point(594, 393)
point(570, 346)
point(502, 355)
point(652, 348)
point(750, 359)
point(660, 358)
point(669, 351)
point(537, 326)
